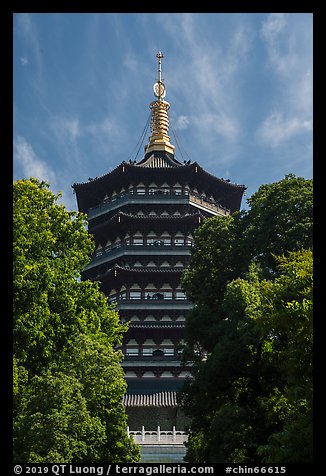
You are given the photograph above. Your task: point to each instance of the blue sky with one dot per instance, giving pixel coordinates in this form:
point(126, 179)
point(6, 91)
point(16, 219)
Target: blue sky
point(239, 86)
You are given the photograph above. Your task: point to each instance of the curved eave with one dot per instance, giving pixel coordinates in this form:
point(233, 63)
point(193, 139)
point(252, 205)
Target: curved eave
point(123, 223)
point(121, 276)
point(90, 194)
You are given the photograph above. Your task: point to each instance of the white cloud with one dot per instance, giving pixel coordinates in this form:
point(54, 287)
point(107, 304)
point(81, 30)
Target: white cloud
point(274, 24)
point(181, 122)
point(23, 60)
point(30, 164)
point(66, 130)
point(276, 128)
point(105, 127)
point(288, 42)
point(31, 36)
point(212, 68)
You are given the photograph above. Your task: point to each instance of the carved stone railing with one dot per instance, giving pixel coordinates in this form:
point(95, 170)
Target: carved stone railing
point(158, 437)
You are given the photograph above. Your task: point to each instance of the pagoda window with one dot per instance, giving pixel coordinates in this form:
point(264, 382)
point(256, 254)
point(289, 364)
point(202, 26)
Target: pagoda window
point(132, 347)
point(166, 374)
point(151, 238)
point(134, 319)
point(130, 373)
point(151, 264)
point(166, 238)
point(152, 214)
point(165, 264)
point(113, 295)
point(123, 293)
point(184, 373)
point(138, 265)
point(149, 374)
point(178, 264)
point(106, 198)
point(166, 318)
point(148, 347)
point(147, 351)
point(177, 190)
point(140, 213)
point(176, 214)
point(152, 188)
point(164, 189)
point(99, 251)
point(150, 290)
point(150, 318)
point(135, 295)
point(167, 346)
point(168, 295)
point(138, 241)
point(180, 295)
point(164, 214)
point(107, 246)
point(141, 189)
point(189, 240)
point(167, 291)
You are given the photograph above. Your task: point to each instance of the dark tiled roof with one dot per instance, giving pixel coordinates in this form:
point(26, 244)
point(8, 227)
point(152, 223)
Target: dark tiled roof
point(90, 194)
point(161, 399)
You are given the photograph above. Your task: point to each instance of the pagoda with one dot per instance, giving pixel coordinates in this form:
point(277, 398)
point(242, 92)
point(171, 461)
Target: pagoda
point(143, 216)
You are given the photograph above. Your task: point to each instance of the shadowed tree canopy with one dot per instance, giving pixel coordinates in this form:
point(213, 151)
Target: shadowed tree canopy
point(68, 381)
point(250, 331)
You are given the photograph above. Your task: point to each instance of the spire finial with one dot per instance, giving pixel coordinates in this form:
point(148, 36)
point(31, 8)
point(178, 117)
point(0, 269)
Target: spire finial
point(159, 87)
point(159, 139)
point(159, 56)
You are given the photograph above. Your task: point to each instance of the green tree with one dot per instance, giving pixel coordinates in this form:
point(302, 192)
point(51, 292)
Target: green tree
point(232, 268)
point(71, 402)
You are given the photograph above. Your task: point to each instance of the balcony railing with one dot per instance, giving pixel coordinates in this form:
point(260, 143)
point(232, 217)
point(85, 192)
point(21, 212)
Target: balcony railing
point(122, 249)
point(163, 198)
point(159, 437)
point(126, 304)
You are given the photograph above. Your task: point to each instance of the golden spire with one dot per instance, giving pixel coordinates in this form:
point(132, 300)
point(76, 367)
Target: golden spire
point(159, 139)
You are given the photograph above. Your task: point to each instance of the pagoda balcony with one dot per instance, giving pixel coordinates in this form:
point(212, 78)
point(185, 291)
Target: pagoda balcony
point(148, 304)
point(155, 198)
point(125, 249)
point(151, 361)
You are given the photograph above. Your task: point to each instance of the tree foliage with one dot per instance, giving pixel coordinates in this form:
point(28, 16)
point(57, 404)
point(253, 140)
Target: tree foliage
point(250, 332)
point(68, 381)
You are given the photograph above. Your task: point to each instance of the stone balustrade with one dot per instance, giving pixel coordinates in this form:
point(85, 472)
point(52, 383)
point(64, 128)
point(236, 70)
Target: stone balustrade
point(158, 437)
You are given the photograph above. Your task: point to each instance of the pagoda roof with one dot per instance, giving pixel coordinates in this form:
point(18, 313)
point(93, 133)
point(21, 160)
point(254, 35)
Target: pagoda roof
point(160, 399)
point(90, 194)
point(122, 223)
point(120, 275)
point(159, 159)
